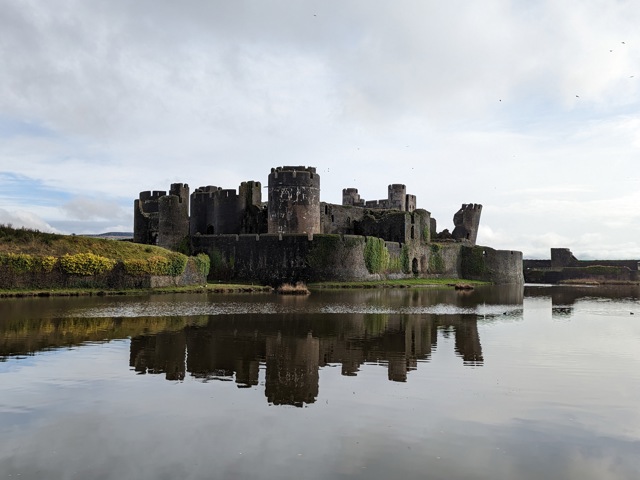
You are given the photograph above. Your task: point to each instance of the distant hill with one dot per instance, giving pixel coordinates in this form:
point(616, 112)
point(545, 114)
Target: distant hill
point(112, 235)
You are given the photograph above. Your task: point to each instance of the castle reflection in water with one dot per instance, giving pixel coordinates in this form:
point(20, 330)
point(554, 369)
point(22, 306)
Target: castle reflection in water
point(292, 349)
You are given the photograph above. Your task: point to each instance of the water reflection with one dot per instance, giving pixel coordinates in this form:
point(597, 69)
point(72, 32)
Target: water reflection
point(549, 399)
point(278, 342)
point(293, 348)
point(570, 294)
point(565, 297)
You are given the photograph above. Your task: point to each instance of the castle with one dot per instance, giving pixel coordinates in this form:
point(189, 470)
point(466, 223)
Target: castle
point(295, 236)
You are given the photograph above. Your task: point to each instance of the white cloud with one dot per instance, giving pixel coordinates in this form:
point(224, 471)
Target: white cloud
point(20, 219)
point(461, 102)
point(83, 208)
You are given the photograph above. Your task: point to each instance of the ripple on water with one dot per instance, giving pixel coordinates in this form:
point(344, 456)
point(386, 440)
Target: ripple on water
point(169, 309)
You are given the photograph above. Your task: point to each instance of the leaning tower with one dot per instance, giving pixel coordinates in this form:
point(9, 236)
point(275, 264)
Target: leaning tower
point(467, 221)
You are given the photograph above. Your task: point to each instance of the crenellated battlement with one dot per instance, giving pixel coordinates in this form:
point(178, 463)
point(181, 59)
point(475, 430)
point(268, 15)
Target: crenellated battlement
point(467, 221)
point(471, 206)
point(152, 195)
point(300, 176)
point(227, 193)
point(208, 190)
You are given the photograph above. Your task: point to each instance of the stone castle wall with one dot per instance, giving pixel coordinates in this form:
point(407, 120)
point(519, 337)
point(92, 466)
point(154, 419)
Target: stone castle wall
point(274, 259)
point(564, 266)
point(282, 238)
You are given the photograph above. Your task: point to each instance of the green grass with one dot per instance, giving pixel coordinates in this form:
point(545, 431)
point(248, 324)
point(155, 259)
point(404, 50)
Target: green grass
point(398, 283)
point(88, 292)
point(33, 242)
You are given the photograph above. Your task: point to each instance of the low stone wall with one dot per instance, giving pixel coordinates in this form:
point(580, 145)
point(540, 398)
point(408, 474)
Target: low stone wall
point(276, 259)
point(597, 273)
point(116, 279)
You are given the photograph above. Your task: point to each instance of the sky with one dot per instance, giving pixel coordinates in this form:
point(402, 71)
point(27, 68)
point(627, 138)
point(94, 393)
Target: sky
point(530, 108)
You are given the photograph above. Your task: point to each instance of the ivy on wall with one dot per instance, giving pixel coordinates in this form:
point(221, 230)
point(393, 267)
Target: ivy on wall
point(436, 262)
point(376, 255)
point(405, 263)
point(203, 263)
point(473, 261)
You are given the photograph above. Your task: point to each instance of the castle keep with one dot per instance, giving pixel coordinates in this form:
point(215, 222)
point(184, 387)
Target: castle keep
point(294, 236)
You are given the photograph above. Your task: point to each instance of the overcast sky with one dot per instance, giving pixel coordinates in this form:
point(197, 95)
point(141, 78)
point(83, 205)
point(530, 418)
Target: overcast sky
point(531, 108)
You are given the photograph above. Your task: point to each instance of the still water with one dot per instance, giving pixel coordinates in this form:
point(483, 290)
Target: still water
point(496, 383)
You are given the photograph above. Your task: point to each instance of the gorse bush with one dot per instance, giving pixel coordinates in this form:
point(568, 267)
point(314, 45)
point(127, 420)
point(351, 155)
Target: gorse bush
point(85, 264)
point(173, 265)
point(25, 263)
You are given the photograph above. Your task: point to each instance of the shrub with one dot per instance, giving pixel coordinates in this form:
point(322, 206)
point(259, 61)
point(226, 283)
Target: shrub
point(25, 263)
point(203, 263)
point(136, 266)
point(86, 264)
point(172, 265)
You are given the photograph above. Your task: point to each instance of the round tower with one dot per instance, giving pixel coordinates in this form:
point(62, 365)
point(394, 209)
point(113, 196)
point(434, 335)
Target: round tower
point(397, 197)
point(294, 200)
point(173, 221)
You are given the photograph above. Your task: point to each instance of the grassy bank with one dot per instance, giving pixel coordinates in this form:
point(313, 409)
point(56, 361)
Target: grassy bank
point(210, 288)
point(399, 283)
point(40, 244)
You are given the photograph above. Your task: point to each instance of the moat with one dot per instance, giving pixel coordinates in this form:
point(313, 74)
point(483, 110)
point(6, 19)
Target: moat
point(499, 382)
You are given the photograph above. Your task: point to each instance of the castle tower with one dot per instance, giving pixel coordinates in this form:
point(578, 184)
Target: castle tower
point(181, 190)
point(250, 194)
point(466, 221)
point(254, 216)
point(397, 197)
point(145, 217)
point(227, 212)
point(410, 203)
point(562, 257)
point(173, 216)
point(201, 219)
point(350, 196)
point(294, 200)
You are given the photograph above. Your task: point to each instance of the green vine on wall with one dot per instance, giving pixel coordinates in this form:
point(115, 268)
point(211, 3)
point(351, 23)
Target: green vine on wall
point(203, 263)
point(436, 262)
point(473, 261)
point(376, 255)
point(405, 263)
